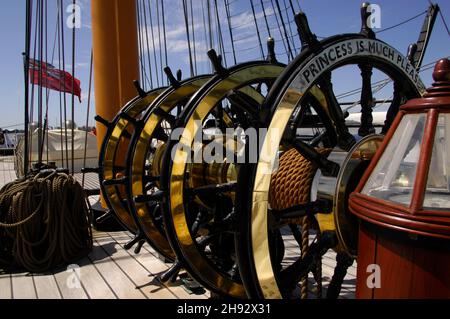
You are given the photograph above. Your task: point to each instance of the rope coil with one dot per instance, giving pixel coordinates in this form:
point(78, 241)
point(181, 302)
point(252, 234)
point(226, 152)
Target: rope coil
point(44, 222)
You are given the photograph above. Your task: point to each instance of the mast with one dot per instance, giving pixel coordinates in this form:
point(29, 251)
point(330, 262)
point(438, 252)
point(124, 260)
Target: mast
point(116, 57)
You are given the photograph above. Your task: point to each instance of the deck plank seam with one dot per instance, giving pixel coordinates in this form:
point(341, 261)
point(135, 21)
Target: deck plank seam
point(145, 267)
point(124, 272)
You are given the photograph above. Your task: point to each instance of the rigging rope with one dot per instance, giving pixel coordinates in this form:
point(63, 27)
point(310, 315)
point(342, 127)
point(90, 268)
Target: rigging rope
point(148, 44)
point(219, 34)
point(73, 88)
point(164, 32)
point(265, 18)
point(186, 21)
point(64, 70)
point(204, 29)
point(257, 29)
point(154, 47)
point(159, 43)
point(26, 62)
point(210, 31)
point(445, 23)
point(60, 91)
point(40, 92)
point(193, 38)
point(141, 51)
point(403, 22)
point(87, 117)
point(47, 89)
point(291, 56)
point(230, 30)
point(291, 33)
point(423, 68)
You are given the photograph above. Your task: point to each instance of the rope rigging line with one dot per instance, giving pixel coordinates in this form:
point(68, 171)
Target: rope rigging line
point(245, 49)
point(40, 92)
point(403, 22)
point(186, 22)
point(45, 124)
point(193, 37)
point(265, 18)
point(445, 23)
point(147, 75)
point(73, 89)
point(63, 54)
point(381, 85)
point(227, 10)
point(148, 78)
point(87, 116)
point(147, 40)
point(205, 32)
point(257, 29)
point(26, 59)
point(142, 66)
point(423, 68)
point(164, 33)
point(292, 7)
point(210, 30)
point(60, 93)
point(291, 33)
point(46, 121)
point(153, 42)
point(219, 34)
point(159, 42)
point(283, 26)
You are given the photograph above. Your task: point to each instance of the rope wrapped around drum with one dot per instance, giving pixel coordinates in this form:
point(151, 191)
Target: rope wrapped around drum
point(290, 186)
point(44, 222)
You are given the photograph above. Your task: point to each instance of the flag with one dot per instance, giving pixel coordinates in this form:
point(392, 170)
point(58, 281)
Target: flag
point(53, 78)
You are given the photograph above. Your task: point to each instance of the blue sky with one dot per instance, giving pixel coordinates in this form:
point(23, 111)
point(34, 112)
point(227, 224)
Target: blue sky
point(326, 18)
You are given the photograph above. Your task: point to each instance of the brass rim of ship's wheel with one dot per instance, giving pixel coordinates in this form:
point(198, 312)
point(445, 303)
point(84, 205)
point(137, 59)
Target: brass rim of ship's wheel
point(198, 197)
point(112, 160)
point(265, 271)
point(145, 154)
point(144, 160)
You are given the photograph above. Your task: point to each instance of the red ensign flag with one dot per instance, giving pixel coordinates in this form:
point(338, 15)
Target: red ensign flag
point(53, 78)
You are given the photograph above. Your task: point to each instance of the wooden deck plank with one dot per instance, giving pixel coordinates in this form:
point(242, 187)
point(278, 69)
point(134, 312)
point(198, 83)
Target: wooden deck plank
point(68, 286)
point(5, 287)
point(120, 283)
point(46, 287)
point(93, 281)
point(135, 272)
point(23, 286)
point(155, 266)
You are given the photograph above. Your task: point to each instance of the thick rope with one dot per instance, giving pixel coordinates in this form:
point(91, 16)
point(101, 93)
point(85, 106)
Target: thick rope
point(304, 249)
point(290, 186)
point(44, 222)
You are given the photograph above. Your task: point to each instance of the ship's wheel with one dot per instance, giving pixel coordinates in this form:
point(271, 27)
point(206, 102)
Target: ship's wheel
point(298, 187)
point(199, 193)
point(144, 161)
point(112, 160)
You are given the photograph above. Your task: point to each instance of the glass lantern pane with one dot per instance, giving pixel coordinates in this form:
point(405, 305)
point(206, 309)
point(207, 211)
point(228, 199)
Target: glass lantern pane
point(437, 194)
point(394, 175)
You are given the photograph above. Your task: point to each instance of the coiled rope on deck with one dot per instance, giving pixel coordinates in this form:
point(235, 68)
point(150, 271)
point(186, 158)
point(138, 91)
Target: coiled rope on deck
point(44, 222)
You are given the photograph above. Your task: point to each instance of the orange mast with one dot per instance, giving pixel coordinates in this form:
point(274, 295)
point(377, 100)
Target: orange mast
point(116, 57)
